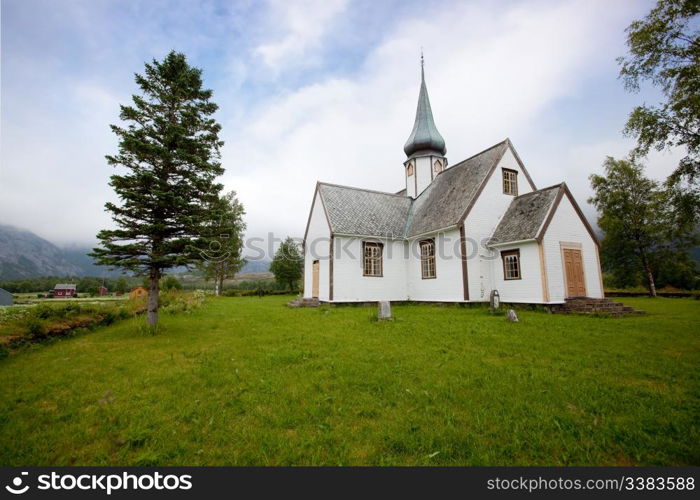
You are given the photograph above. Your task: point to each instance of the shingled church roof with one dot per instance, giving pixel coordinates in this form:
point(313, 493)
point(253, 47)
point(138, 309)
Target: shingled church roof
point(525, 215)
point(443, 204)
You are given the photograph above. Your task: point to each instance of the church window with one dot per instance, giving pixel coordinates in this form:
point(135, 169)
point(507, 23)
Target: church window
point(511, 264)
point(409, 169)
point(510, 182)
point(437, 167)
point(427, 259)
point(372, 252)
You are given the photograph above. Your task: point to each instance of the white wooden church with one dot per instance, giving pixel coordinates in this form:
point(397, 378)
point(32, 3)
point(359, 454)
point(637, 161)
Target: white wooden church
point(453, 234)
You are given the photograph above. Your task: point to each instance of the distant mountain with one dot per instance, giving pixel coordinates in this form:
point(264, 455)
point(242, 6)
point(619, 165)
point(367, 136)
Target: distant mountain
point(256, 266)
point(23, 254)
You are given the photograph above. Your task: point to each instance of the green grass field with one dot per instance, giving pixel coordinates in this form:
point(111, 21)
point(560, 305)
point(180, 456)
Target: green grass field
point(248, 381)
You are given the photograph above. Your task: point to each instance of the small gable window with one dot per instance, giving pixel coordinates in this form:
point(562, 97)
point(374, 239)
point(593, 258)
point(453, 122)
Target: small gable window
point(510, 182)
point(437, 167)
point(409, 169)
point(511, 264)
point(372, 252)
point(427, 258)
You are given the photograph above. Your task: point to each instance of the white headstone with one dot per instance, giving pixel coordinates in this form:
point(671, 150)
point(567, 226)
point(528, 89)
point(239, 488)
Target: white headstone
point(511, 316)
point(384, 311)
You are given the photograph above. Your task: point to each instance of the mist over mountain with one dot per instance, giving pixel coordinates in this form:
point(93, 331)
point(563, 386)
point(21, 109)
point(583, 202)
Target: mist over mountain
point(23, 254)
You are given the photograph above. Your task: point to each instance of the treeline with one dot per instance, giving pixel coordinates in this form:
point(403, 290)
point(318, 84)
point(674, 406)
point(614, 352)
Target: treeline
point(86, 284)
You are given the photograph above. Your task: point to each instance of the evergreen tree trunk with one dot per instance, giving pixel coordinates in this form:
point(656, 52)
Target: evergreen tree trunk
point(650, 275)
point(153, 289)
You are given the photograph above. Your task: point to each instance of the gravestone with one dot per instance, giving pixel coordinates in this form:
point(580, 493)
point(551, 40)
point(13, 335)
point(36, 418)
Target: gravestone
point(384, 311)
point(495, 301)
point(511, 316)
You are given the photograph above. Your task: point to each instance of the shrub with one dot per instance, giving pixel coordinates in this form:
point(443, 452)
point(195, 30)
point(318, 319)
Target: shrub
point(44, 311)
point(35, 326)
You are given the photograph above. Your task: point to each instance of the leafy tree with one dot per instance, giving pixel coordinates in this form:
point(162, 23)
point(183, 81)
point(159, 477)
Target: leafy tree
point(89, 285)
point(170, 150)
point(288, 264)
point(664, 48)
point(121, 285)
point(223, 258)
point(171, 283)
point(643, 232)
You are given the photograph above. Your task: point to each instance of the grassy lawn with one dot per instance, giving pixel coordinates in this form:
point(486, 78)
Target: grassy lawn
point(248, 381)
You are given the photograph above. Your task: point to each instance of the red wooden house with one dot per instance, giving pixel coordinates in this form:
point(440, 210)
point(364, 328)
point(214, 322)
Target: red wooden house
point(64, 290)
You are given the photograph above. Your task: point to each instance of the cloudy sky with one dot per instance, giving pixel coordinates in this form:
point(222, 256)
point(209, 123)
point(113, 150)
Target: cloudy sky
point(309, 90)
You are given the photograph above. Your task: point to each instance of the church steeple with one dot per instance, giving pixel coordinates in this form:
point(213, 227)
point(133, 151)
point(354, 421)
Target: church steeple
point(425, 148)
point(425, 138)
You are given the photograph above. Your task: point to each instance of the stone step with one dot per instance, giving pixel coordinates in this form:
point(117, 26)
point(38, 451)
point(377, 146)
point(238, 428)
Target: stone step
point(585, 305)
point(303, 302)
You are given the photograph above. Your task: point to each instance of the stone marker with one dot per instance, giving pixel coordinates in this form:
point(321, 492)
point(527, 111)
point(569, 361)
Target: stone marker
point(511, 316)
point(384, 311)
point(494, 301)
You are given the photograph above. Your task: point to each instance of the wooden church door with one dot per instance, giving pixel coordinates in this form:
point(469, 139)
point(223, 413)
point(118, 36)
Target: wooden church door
point(573, 268)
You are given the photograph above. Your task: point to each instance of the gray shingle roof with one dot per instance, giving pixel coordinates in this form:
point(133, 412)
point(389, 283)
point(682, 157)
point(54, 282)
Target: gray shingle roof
point(442, 204)
point(63, 286)
point(525, 215)
point(362, 212)
point(445, 201)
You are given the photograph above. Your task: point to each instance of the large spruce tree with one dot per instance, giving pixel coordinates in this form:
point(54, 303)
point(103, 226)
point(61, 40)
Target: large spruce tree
point(168, 160)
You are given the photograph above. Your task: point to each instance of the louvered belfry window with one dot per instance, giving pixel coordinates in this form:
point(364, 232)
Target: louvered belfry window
point(372, 252)
point(427, 258)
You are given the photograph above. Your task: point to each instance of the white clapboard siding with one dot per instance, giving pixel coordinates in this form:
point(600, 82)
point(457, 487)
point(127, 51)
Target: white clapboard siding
point(317, 247)
point(482, 221)
point(566, 226)
point(349, 282)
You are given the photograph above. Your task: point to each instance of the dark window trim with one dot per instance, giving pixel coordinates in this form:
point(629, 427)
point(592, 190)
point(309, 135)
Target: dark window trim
point(381, 246)
point(420, 250)
point(503, 180)
point(508, 253)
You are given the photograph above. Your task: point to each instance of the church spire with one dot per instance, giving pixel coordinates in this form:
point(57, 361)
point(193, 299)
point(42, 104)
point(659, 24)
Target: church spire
point(425, 136)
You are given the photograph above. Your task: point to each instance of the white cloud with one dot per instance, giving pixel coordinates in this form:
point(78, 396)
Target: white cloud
point(494, 69)
point(491, 73)
point(301, 26)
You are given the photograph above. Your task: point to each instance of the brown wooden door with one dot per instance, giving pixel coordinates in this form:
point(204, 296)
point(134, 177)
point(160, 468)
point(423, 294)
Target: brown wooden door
point(316, 271)
point(573, 267)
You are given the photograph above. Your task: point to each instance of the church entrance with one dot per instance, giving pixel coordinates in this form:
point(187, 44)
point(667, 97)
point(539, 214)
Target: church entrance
point(315, 278)
point(573, 273)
